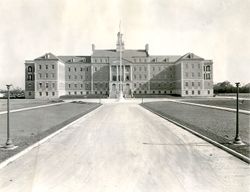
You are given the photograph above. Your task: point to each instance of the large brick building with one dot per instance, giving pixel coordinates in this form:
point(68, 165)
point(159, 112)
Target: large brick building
point(51, 76)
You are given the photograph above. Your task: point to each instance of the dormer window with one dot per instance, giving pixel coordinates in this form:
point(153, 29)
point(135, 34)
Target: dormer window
point(47, 56)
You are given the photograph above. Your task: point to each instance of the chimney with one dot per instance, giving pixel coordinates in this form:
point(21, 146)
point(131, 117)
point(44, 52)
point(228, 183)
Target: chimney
point(146, 47)
point(93, 47)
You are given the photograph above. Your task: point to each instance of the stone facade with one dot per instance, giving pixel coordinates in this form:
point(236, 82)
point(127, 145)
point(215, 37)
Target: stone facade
point(51, 76)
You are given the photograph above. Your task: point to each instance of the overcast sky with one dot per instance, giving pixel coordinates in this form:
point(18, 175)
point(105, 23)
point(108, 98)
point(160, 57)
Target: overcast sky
point(213, 29)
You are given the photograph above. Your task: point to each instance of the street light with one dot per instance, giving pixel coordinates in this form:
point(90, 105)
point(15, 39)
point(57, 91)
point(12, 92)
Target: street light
point(237, 139)
point(8, 144)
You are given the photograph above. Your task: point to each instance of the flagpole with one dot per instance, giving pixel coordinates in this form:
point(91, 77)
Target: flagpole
point(120, 43)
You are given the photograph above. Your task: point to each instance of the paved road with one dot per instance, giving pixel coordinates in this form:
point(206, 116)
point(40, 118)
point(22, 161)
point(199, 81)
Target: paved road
point(125, 148)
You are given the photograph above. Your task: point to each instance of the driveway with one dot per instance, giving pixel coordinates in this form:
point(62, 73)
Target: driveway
point(124, 147)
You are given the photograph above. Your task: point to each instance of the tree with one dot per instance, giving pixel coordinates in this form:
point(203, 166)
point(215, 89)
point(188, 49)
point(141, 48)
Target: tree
point(227, 87)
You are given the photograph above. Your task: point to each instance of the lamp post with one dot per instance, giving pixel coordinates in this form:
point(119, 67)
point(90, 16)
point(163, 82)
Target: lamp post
point(8, 144)
point(237, 139)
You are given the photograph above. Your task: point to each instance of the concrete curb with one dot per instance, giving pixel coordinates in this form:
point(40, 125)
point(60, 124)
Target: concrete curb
point(230, 151)
point(30, 108)
point(213, 107)
point(21, 153)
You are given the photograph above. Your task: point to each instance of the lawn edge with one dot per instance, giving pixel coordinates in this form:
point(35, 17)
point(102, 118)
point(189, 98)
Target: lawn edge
point(30, 108)
point(26, 150)
point(212, 107)
point(215, 143)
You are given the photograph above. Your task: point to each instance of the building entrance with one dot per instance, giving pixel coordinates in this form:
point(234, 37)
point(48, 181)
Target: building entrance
point(113, 91)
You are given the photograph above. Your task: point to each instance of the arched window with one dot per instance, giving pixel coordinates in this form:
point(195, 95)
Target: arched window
point(29, 69)
point(208, 68)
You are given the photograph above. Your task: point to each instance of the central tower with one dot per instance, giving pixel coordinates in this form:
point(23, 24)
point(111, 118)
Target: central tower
point(119, 43)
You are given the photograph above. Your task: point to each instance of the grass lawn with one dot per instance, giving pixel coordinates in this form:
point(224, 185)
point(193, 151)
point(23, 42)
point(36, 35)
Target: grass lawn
point(216, 124)
point(229, 103)
point(241, 95)
point(28, 127)
point(22, 103)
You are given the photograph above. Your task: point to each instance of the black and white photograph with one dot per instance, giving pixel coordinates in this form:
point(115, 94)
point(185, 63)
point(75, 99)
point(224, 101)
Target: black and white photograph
point(124, 96)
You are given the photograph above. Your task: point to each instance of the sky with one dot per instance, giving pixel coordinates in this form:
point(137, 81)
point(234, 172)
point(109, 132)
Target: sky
point(213, 29)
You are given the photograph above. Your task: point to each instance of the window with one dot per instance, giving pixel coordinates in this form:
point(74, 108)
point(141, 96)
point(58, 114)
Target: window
point(208, 92)
point(186, 84)
point(186, 92)
point(81, 85)
point(75, 93)
point(75, 68)
point(199, 65)
point(69, 85)
point(81, 77)
point(52, 75)
point(40, 93)
point(208, 76)
point(199, 74)
point(75, 85)
point(39, 75)
point(46, 85)
point(145, 76)
point(199, 92)
point(134, 84)
point(40, 85)
point(114, 78)
point(47, 93)
point(134, 68)
point(81, 92)
point(192, 92)
point(192, 83)
point(53, 85)
point(29, 77)
point(95, 68)
point(53, 93)
point(208, 68)
point(53, 67)
point(81, 69)
point(40, 66)
point(46, 66)
point(199, 84)
point(46, 75)
point(29, 69)
point(69, 93)
point(153, 68)
point(69, 76)
point(69, 71)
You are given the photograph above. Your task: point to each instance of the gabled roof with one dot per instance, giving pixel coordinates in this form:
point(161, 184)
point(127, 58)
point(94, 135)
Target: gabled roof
point(75, 59)
point(190, 56)
point(127, 53)
point(166, 58)
point(47, 56)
